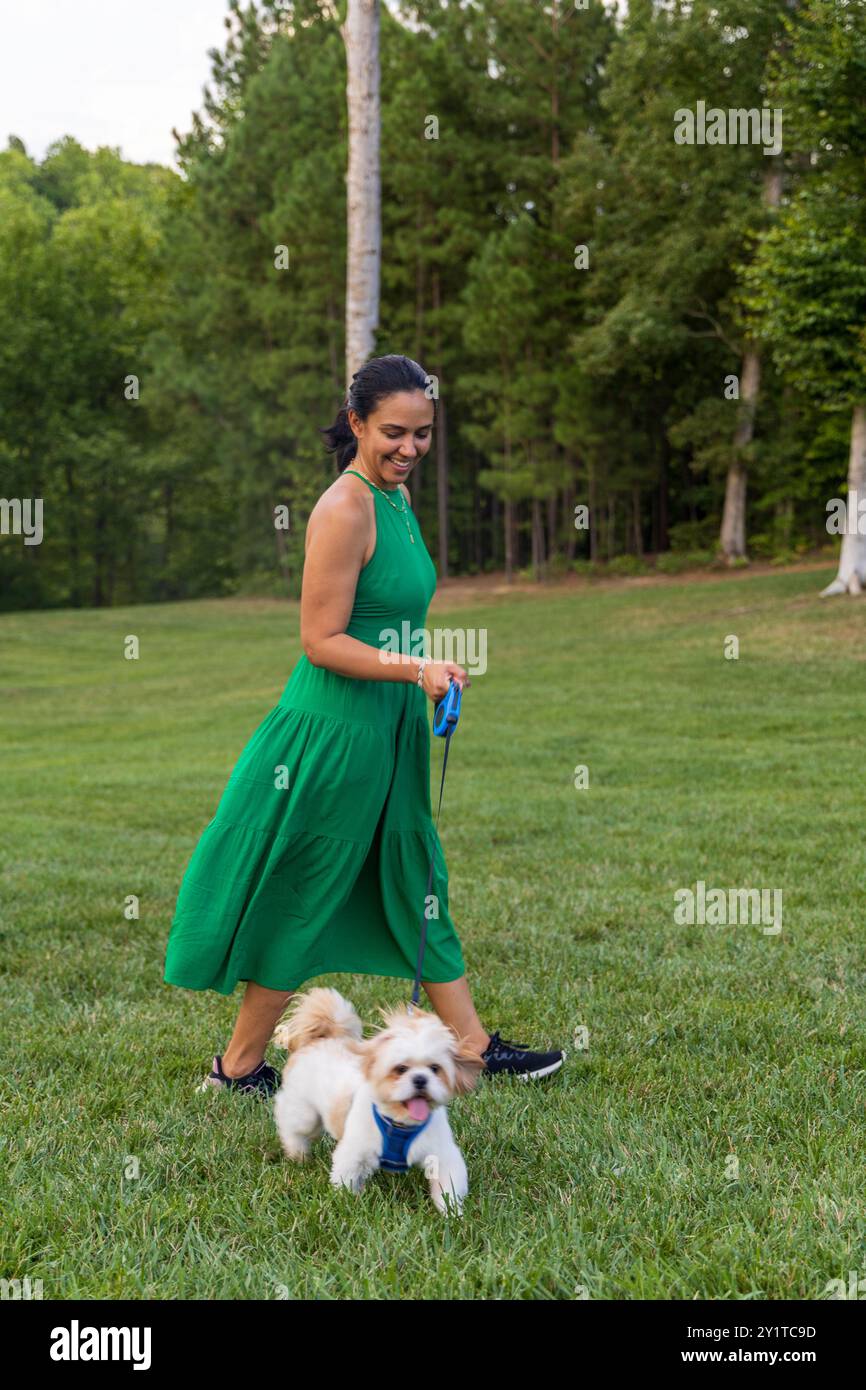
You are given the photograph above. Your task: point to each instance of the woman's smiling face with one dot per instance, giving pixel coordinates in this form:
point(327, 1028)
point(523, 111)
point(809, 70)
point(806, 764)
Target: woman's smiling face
point(394, 437)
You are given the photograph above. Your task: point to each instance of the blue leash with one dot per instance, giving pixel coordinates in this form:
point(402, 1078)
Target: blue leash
point(444, 724)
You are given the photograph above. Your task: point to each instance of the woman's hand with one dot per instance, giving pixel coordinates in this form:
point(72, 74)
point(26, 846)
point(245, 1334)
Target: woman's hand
point(438, 676)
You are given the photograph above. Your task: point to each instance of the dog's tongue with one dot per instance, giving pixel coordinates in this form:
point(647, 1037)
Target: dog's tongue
point(418, 1108)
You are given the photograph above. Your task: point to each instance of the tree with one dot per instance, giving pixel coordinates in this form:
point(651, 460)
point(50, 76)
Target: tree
point(807, 294)
point(545, 72)
point(666, 225)
point(806, 291)
point(439, 202)
point(249, 359)
point(732, 537)
point(513, 138)
point(80, 291)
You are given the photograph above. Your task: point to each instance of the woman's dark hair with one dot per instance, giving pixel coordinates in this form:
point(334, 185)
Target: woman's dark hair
point(378, 378)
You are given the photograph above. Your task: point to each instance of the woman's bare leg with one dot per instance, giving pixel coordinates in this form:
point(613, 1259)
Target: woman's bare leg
point(453, 1003)
point(261, 1009)
point(258, 1016)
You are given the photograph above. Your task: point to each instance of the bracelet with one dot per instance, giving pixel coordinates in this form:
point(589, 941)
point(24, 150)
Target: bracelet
point(422, 663)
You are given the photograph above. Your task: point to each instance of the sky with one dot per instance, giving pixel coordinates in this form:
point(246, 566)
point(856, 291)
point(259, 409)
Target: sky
point(109, 72)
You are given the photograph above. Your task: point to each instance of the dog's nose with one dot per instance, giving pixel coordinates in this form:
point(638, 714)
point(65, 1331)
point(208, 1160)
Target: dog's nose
point(419, 1081)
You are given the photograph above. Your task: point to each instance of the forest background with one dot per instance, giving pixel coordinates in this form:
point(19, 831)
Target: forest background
point(648, 337)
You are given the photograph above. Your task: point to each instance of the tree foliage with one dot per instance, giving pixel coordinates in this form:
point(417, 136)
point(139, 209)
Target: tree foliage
point(581, 284)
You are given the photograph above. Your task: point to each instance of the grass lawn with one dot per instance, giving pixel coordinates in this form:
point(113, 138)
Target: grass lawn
point(708, 1143)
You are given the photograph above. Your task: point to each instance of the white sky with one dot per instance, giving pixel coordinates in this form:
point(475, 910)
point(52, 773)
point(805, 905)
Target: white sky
point(109, 72)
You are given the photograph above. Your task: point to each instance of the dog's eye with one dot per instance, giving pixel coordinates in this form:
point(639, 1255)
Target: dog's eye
point(434, 1066)
point(398, 1071)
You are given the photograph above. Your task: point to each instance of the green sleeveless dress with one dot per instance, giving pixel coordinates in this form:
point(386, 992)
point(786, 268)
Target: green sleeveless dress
point(317, 858)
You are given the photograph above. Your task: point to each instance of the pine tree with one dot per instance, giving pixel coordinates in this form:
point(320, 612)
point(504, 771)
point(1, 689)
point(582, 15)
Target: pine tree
point(807, 288)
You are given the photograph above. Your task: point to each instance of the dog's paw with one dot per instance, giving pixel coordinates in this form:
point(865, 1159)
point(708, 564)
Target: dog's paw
point(446, 1202)
point(354, 1181)
point(448, 1194)
point(353, 1176)
point(296, 1148)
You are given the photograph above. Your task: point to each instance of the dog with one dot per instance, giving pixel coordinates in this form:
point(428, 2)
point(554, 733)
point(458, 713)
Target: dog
point(383, 1099)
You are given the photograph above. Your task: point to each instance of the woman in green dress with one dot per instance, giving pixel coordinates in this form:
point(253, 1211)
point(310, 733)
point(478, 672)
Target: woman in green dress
point(317, 858)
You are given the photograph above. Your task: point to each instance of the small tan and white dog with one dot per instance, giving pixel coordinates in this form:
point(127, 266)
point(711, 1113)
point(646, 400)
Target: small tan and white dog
point(384, 1099)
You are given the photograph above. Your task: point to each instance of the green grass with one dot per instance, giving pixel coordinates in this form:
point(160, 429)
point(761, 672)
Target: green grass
point(704, 1042)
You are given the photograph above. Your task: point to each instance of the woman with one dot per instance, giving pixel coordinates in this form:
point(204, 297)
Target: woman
point(318, 856)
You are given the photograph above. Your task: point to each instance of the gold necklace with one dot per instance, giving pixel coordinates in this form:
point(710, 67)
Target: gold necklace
point(400, 512)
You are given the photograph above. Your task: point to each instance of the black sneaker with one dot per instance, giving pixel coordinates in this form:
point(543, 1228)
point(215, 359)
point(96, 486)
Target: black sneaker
point(515, 1059)
point(264, 1079)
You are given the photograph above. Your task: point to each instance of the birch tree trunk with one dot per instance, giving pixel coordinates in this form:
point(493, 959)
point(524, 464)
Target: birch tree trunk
point(852, 561)
point(363, 185)
point(732, 538)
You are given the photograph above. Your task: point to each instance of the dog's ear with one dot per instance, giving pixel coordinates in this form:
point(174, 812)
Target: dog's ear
point(468, 1066)
point(281, 1036)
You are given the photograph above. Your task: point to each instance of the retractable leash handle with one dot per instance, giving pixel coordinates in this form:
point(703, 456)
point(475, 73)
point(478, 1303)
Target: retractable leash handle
point(444, 723)
point(448, 710)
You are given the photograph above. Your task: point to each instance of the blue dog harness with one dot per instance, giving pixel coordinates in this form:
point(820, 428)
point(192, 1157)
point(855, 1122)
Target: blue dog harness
point(397, 1140)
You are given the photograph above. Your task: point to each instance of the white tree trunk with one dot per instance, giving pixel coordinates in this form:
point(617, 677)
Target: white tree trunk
point(363, 189)
point(852, 561)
